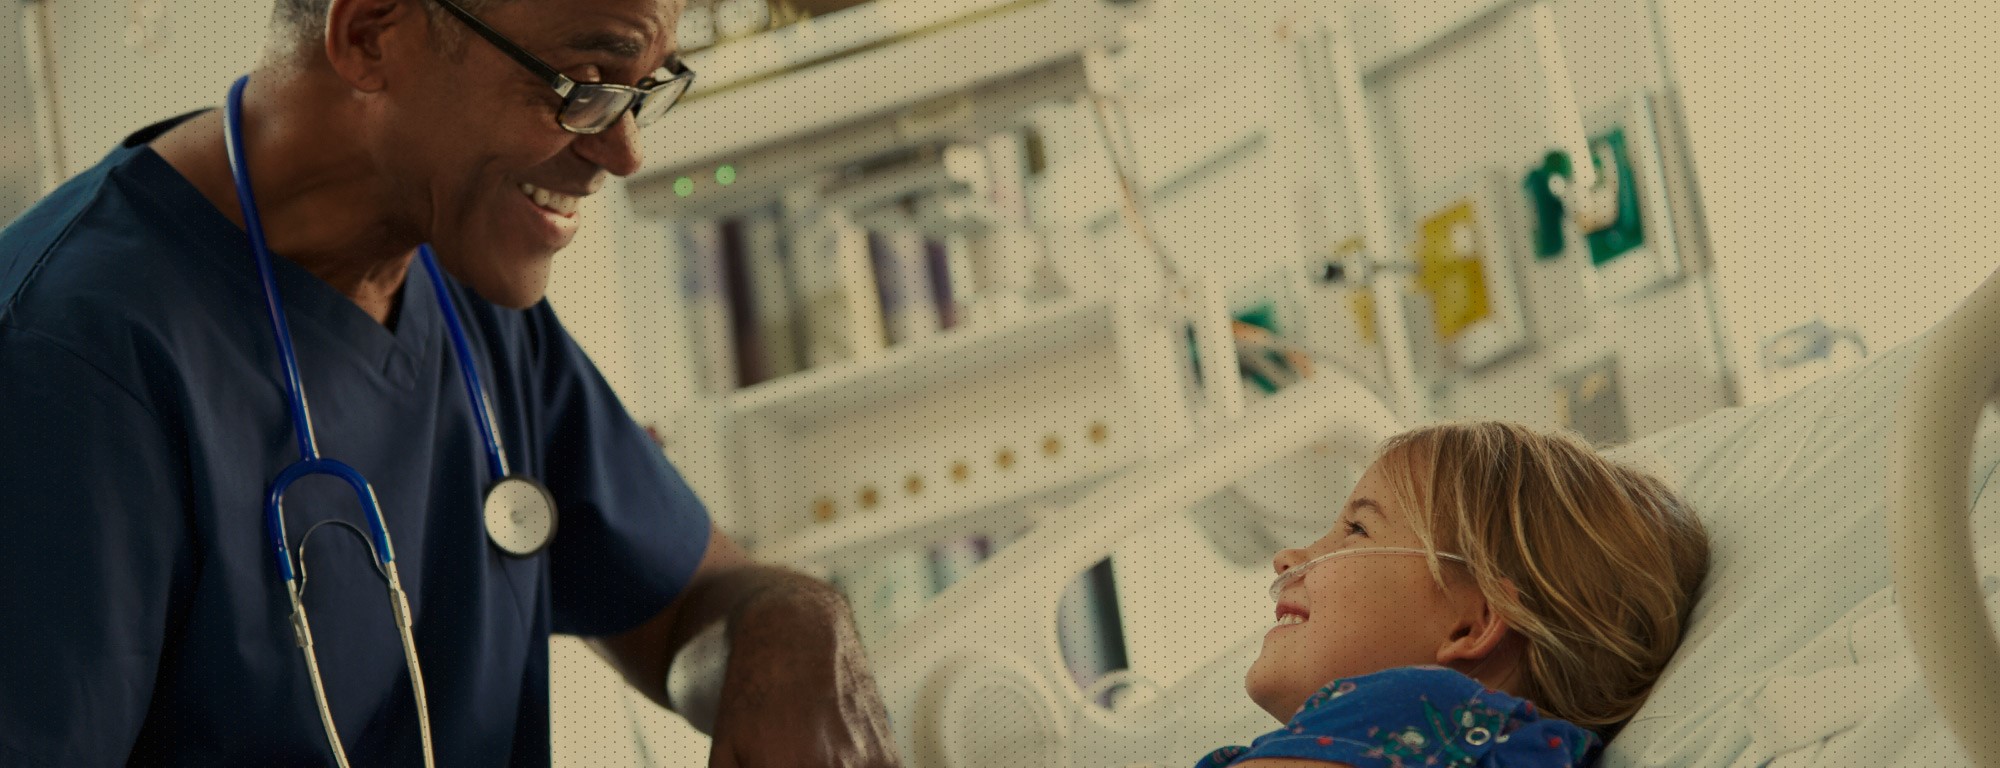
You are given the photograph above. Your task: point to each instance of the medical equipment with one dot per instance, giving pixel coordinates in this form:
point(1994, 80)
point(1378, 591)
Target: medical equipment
point(519, 512)
point(941, 691)
point(1295, 573)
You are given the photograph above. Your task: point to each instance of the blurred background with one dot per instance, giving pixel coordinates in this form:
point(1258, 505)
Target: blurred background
point(903, 279)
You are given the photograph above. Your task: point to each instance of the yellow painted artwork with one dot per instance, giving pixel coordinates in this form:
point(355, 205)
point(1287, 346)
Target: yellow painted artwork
point(1359, 301)
point(1362, 303)
point(1450, 270)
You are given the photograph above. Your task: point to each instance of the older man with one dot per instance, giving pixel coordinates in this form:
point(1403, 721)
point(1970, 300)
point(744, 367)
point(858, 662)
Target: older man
point(145, 411)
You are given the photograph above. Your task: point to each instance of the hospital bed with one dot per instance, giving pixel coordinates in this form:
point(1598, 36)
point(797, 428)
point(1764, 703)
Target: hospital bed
point(1796, 654)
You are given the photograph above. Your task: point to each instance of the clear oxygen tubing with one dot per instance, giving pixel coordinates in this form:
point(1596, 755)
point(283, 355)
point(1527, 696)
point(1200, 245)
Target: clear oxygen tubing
point(1297, 573)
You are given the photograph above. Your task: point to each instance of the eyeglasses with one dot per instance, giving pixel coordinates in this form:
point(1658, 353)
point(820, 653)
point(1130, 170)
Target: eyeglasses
point(1293, 574)
point(589, 108)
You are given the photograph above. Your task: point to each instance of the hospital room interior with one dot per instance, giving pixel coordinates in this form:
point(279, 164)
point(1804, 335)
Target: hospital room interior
point(1037, 326)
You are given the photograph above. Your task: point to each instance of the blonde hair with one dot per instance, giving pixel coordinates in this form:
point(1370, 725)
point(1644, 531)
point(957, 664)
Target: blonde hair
point(1605, 558)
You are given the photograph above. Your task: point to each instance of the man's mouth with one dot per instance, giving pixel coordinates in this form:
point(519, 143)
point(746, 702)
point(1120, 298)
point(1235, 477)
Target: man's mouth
point(554, 202)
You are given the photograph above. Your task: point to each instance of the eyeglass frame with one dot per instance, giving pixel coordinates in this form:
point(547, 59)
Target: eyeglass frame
point(1297, 573)
point(568, 88)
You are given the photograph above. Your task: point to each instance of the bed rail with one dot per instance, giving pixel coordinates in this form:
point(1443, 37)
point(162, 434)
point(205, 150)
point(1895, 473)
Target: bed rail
point(1013, 597)
point(1930, 526)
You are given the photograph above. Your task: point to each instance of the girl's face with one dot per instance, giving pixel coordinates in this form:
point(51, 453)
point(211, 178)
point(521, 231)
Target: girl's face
point(1361, 614)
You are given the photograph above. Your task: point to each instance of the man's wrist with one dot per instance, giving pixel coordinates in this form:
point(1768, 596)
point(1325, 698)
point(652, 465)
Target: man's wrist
point(796, 600)
point(779, 625)
point(800, 633)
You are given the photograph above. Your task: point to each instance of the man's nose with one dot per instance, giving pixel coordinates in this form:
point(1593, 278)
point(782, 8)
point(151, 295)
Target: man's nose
point(616, 149)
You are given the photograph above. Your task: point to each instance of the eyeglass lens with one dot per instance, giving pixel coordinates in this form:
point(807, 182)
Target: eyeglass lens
point(591, 110)
point(656, 105)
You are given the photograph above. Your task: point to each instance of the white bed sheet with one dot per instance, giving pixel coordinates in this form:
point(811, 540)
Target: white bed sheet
point(1854, 697)
point(1795, 655)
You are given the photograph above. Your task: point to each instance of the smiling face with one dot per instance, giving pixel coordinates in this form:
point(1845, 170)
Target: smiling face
point(478, 159)
point(1360, 614)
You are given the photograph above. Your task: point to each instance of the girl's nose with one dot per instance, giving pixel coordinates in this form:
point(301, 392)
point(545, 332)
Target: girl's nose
point(1286, 558)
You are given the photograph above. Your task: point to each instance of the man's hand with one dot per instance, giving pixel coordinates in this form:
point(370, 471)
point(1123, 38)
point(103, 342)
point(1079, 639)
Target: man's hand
point(798, 691)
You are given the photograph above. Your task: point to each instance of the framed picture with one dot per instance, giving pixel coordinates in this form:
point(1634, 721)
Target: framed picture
point(1633, 259)
point(1465, 251)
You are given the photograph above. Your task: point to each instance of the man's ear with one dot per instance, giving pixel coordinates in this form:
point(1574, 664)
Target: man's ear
point(359, 34)
point(1478, 633)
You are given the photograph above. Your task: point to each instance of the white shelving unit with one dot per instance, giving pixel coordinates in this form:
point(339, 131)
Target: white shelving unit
point(960, 433)
point(965, 431)
point(798, 99)
point(950, 361)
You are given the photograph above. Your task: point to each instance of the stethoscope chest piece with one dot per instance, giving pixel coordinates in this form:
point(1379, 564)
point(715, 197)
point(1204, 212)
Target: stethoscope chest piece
point(520, 516)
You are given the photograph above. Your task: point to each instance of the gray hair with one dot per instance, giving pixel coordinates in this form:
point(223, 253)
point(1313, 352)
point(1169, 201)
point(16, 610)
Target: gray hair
point(305, 20)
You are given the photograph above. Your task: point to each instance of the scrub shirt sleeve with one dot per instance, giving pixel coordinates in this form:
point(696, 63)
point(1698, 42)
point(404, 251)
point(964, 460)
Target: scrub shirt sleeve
point(629, 531)
point(92, 541)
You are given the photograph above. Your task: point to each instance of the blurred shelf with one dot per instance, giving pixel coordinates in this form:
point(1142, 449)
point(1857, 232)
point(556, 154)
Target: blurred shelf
point(935, 364)
point(828, 36)
point(808, 78)
point(869, 534)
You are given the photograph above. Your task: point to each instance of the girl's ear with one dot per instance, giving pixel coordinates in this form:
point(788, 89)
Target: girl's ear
point(1478, 634)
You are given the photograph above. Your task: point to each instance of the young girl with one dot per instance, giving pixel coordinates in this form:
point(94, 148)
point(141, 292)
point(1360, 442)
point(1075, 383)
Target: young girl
point(1489, 595)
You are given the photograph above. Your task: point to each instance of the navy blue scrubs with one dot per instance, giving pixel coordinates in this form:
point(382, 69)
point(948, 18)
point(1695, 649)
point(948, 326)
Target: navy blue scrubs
point(142, 419)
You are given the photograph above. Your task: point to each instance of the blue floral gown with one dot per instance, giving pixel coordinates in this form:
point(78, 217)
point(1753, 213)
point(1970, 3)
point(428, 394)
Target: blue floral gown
point(1418, 716)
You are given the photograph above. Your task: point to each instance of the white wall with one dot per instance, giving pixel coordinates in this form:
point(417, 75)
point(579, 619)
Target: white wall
point(1477, 102)
point(20, 169)
point(121, 65)
point(1845, 152)
point(1472, 103)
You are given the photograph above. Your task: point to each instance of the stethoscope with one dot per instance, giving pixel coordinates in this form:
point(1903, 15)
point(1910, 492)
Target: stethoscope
point(520, 514)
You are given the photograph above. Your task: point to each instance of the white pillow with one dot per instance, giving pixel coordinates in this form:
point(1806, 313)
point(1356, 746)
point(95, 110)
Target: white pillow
point(1792, 495)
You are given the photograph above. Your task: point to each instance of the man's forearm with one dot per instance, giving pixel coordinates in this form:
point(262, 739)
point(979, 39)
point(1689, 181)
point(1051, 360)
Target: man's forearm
point(776, 599)
point(792, 658)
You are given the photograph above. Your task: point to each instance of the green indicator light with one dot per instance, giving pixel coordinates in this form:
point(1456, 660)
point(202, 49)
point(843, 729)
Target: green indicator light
point(726, 175)
point(684, 186)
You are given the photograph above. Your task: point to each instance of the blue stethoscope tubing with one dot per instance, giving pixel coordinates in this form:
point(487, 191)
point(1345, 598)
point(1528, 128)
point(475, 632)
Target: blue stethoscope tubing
point(510, 499)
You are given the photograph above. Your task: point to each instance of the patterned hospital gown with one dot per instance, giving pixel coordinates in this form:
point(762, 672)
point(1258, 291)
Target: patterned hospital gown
point(1418, 716)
